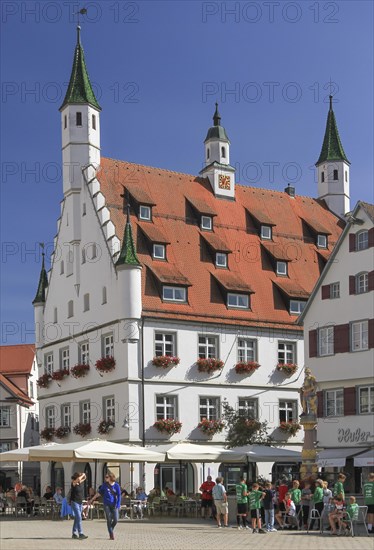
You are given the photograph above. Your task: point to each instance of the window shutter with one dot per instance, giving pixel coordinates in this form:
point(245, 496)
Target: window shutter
point(320, 404)
point(371, 333)
point(325, 292)
point(371, 280)
point(341, 338)
point(349, 401)
point(352, 284)
point(371, 237)
point(352, 242)
point(312, 343)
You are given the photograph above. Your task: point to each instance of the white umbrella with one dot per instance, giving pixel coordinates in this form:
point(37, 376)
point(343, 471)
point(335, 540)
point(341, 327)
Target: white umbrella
point(23, 454)
point(203, 453)
point(265, 453)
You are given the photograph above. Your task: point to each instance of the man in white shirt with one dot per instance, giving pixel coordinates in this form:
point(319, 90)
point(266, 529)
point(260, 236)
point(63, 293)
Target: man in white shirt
point(220, 502)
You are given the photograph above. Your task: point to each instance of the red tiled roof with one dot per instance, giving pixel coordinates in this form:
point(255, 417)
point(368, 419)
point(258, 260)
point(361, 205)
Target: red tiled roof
point(291, 288)
point(215, 242)
point(139, 195)
point(167, 273)
point(231, 282)
point(316, 226)
point(152, 232)
point(15, 391)
point(168, 190)
point(16, 359)
point(201, 206)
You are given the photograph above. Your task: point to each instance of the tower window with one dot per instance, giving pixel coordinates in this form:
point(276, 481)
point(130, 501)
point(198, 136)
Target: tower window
point(322, 177)
point(65, 121)
point(208, 153)
point(86, 302)
point(84, 209)
point(335, 175)
point(223, 152)
point(78, 119)
point(94, 122)
point(346, 175)
point(70, 308)
point(103, 295)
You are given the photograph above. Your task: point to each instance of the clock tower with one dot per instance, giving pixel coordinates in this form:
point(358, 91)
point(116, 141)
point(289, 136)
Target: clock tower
point(217, 160)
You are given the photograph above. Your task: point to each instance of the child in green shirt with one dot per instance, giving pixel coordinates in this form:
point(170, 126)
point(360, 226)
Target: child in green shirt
point(255, 498)
point(296, 495)
point(369, 501)
point(339, 487)
point(352, 510)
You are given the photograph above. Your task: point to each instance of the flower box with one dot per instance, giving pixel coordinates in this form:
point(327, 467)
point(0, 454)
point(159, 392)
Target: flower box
point(47, 434)
point(82, 429)
point(105, 426)
point(105, 364)
point(165, 361)
point(287, 368)
point(60, 374)
point(252, 425)
point(62, 431)
point(209, 365)
point(79, 370)
point(290, 428)
point(211, 427)
point(246, 367)
point(168, 425)
point(43, 381)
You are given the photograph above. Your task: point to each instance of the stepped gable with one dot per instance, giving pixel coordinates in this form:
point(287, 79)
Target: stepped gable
point(236, 223)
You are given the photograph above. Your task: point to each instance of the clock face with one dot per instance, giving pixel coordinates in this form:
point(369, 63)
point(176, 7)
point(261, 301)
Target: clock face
point(224, 182)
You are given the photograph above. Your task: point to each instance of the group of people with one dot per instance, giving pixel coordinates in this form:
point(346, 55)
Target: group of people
point(288, 506)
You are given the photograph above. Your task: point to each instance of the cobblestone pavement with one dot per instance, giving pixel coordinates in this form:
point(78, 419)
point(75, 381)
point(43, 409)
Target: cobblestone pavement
point(163, 534)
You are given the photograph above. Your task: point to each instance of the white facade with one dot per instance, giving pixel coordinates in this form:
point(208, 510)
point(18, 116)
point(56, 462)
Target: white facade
point(334, 185)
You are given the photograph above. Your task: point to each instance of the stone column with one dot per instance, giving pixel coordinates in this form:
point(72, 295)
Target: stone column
point(308, 420)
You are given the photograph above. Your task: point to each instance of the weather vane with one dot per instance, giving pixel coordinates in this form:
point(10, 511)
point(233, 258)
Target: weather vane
point(83, 11)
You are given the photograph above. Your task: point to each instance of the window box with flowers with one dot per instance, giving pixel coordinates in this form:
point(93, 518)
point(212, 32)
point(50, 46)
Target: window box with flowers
point(105, 364)
point(165, 361)
point(62, 431)
point(79, 370)
point(60, 374)
point(169, 426)
point(287, 368)
point(105, 426)
point(289, 428)
point(251, 424)
point(246, 367)
point(209, 365)
point(43, 381)
point(211, 427)
point(82, 429)
point(47, 434)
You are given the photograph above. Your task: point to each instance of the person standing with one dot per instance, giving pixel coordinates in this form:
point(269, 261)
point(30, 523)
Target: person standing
point(220, 501)
point(242, 503)
point(317, 499)
point(306, 495)
point(255, 498)
point(338, 490)
point(76, 498)
point(206, 497)
point(111, 493)
point(296, 496)
point(369, 501)
point(268, 503)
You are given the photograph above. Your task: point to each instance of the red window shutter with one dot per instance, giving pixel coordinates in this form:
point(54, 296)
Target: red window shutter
point(352, 284)
point(352, 242)
point(371, 333)
point(320, 404)
point(341, 338)
point(371, 237)
point(371, 280)
point(349, 401)
point(312, 343)
point(325, 292)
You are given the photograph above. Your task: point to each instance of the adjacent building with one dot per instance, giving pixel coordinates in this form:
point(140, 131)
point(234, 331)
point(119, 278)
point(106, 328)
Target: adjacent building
point(19, 418)
point(339, 349)
point(161, 283)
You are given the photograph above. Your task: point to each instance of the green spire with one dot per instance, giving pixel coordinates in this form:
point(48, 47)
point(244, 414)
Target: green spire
point(80, 89)
point(332, 148)
point(128, 252)
point(43, 283)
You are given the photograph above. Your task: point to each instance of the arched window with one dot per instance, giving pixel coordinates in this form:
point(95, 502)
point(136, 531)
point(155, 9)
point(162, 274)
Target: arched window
point(223, 152)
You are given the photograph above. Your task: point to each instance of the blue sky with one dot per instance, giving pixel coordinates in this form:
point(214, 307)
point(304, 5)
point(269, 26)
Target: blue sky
point(158, 68)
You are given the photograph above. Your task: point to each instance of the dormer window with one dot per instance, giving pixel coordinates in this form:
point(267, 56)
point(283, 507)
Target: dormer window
point(78, 119)
point(206, 223)
point(240, 301)
point(159, 252)
point(174, 294)
point(223, 152)
point(297, 307)
point(266, 232)
point(221, 259)
point(145, 212)
point(282, 268)
point(321, 241)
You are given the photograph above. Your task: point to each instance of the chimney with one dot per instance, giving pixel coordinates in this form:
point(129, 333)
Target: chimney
point(290, 190)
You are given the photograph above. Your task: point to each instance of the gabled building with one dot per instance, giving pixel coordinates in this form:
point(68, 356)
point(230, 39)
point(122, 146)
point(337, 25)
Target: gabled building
point(339, 349)
point(151, 263)
point(19, 418)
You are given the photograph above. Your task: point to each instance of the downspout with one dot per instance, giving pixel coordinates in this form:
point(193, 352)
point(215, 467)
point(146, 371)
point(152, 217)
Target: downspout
point(142, 395)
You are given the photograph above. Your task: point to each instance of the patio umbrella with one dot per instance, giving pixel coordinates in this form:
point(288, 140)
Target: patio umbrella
point(265, 453)
point(191, 452)
point(23, 454)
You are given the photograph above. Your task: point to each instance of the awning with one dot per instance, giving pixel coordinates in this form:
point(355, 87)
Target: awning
point(335, 457)
point(366, 459)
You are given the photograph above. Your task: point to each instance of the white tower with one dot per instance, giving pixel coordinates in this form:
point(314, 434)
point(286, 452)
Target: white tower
point(333, 169)
point(39, 304)
point(217, 160)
